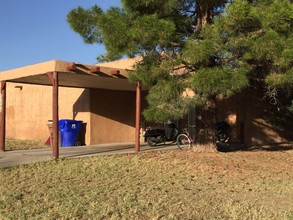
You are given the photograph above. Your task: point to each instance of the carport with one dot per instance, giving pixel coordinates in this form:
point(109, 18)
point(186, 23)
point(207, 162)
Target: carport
point(57, 74)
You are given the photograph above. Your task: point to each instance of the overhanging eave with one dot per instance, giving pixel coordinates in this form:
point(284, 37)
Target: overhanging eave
point(71, 75)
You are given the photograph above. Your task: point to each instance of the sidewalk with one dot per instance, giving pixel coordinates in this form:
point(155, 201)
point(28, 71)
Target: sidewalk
point(12, 158)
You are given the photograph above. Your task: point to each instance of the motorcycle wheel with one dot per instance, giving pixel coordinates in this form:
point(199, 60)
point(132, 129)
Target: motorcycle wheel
point(222, 137)
point(151, 141)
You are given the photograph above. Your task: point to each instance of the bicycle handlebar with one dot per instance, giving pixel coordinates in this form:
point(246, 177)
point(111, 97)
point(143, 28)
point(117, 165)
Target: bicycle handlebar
point(190, 126)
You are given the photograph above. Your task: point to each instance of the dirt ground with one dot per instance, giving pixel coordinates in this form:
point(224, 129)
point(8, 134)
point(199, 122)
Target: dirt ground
point(259, 160)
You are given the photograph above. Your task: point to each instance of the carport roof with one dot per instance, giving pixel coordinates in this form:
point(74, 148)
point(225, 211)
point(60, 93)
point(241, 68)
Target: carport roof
point(71, 75)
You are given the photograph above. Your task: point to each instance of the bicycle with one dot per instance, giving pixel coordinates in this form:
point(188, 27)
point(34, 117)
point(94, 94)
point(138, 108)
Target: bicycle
point(184, 140)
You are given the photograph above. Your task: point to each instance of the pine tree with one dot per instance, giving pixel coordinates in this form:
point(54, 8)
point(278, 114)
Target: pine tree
point(216, 47)
point(158, 31)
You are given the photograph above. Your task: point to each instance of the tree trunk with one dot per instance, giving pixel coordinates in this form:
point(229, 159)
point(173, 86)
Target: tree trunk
point(206, 120)
point(203, 14)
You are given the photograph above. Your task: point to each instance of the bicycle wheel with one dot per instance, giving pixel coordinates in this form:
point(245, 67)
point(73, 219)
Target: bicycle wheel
point(183, 141)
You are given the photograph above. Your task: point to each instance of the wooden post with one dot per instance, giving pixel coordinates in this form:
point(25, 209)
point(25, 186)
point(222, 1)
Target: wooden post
point(2, 115)
point(53, 76)
point(137, 117)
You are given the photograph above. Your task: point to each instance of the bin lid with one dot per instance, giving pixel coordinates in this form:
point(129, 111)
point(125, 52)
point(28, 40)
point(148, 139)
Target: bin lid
point(69, 125)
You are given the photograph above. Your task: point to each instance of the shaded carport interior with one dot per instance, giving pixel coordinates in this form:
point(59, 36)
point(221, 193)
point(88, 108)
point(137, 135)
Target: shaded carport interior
point(68, 74)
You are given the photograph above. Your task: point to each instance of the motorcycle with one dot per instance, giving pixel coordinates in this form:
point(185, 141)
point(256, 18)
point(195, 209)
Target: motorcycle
point(221, 131)
point(156, 136)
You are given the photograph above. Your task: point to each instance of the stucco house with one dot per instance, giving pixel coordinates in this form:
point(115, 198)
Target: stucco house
point(108, 105)
point(101, 96)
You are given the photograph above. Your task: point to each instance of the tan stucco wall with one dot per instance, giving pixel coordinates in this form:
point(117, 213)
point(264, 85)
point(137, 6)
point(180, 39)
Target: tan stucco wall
point(112, 116)
point(247, 114)
point(109, 115)
point(28, 109)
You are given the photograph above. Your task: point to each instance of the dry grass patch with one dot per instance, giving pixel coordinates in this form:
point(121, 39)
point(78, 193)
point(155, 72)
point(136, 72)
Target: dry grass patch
point(157, 185)
point(15, 144)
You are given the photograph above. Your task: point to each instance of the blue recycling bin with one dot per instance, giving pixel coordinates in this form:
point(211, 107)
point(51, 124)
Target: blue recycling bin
point(69, 130)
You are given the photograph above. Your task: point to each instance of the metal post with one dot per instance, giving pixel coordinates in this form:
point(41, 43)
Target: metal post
point(2, 115)
point(137, 117)
point(55, 147)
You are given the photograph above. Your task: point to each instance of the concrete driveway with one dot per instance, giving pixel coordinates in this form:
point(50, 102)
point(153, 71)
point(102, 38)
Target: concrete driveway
point(17, 157)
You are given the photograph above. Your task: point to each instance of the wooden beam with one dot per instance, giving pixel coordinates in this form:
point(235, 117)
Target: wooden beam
point(50, 76)
point(55, 116)
point(137, 117)
point(72, 67)
point(95, 69)
point(2, 115)
point(53, 77)
point(114, 72)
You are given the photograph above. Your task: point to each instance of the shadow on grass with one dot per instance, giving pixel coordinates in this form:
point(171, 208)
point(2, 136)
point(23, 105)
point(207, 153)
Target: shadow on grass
point(108, 150)
point(232, 147)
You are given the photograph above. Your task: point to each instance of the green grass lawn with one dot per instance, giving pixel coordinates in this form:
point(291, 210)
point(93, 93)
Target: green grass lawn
point(157, 185)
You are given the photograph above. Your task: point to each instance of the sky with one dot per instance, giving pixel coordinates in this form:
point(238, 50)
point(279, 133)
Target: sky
point(35, 31)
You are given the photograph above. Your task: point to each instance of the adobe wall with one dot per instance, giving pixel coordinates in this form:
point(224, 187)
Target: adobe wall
point(29, 107)
point(112, 116)
point(253, 119)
